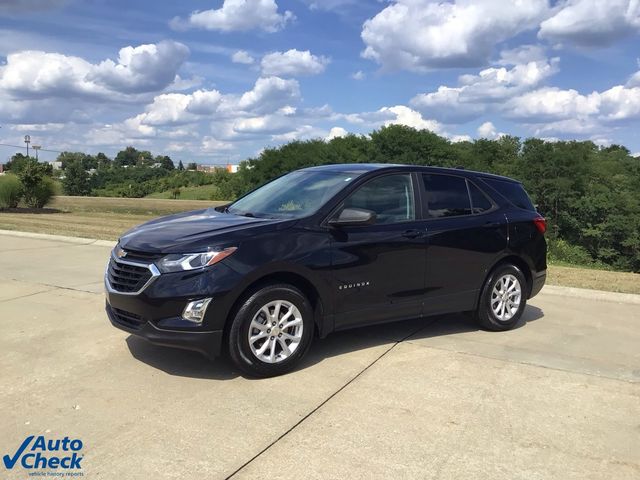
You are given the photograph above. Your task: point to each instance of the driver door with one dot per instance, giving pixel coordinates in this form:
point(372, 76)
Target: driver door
point(378, 270)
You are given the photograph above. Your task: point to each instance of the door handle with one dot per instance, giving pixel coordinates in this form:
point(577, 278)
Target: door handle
point(412, 233)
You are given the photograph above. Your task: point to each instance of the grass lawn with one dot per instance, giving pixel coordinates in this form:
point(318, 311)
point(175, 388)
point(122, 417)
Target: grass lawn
point(106, 218)
point(203, 192)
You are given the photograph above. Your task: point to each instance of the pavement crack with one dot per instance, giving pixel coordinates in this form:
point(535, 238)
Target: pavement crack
point(27, 295)
point(54, 287)
point(326, 400)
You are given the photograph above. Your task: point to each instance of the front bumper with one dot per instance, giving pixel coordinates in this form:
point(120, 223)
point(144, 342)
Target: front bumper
point(154, 312)
point(209, 343)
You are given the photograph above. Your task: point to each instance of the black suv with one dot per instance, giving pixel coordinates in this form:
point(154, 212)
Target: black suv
point(328, 248)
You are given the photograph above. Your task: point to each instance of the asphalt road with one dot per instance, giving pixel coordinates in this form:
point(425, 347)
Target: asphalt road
point(556, 398)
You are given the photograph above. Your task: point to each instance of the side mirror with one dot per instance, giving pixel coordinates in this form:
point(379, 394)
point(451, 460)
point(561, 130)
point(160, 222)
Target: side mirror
point(351, 217)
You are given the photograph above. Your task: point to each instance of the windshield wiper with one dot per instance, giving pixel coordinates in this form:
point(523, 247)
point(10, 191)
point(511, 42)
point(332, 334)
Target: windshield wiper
point(241, 214)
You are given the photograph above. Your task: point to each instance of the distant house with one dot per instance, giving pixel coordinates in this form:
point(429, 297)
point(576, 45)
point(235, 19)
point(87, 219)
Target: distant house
point(212, 168)
point(56, 165)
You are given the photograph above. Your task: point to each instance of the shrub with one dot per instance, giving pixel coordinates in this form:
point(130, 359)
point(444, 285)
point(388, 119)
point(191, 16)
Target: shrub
point(42, 193)
point(561, 251)
point(10, 191)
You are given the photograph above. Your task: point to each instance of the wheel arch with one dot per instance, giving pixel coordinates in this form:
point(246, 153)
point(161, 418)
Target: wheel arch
point(290, 278)
point(519, 262)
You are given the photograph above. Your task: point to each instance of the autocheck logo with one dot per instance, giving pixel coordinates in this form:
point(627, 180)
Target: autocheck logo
point(40, 453)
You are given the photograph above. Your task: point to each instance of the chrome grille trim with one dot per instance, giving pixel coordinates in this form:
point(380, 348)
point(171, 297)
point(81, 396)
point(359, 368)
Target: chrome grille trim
point(155, 273)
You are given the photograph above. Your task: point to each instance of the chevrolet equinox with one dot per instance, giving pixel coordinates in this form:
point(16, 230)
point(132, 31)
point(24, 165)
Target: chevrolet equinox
point(325, 249)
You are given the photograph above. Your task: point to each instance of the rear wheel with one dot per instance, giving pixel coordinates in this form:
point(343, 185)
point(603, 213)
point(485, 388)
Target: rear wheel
point(503, 299)
point(272, 331)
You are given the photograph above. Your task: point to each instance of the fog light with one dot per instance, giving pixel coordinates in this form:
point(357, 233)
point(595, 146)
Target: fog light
point(194, 311)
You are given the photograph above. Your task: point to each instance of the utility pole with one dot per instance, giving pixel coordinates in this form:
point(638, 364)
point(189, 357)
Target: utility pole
point(27, 140)
point(36, 148)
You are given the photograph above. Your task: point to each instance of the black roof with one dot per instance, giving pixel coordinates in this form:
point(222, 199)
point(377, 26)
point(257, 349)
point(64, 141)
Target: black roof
point(362, 168)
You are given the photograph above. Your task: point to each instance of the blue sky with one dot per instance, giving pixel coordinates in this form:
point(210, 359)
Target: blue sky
point(218, 81)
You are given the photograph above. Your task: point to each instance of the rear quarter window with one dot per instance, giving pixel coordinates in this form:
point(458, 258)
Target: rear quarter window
point(512, 191)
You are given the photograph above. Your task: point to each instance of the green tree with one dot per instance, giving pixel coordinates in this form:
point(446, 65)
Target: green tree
point(127, 157)
point(180, 166)
point(17, 163)
point(37, 185)
point(192, 166)
point(76, 180)
point(165, 162)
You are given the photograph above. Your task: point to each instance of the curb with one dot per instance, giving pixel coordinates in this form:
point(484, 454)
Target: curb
point(59, 238)
point(600, 295)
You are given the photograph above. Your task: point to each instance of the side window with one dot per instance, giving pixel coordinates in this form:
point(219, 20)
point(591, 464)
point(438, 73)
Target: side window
point(512, 191)
point(479, 202)
point(447, 196)
point(390, 197)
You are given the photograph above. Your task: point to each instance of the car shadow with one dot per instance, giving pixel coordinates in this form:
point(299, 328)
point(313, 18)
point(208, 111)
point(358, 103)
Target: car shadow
point(191, 364)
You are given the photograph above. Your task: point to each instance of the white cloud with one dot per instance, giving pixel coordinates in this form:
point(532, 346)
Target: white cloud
point(212, 145)
point(568, 111)
point(237, 15)
point(410, 118)
point(336, 132)
point(592, 23)
point(620, 103)
point(293, 63)
point(446, 105)
point(242, 56)
point(424, 34)
point(270, 94)
point(142, 69)
point(146, 68)
point(43, 127)
point(522, 54)
point(477, 93)
point(634, 80)
point(359, 75)
point(331, 5)
point(551, 104)
point(398, 115)
point(488, 130)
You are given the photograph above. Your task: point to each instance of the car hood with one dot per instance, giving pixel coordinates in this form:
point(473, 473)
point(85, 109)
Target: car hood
point(191, 231)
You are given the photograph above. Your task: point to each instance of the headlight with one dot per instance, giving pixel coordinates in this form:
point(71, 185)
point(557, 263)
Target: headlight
point(181, 262)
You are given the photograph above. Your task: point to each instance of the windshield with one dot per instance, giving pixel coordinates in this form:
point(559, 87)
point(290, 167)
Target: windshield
point(294, 195)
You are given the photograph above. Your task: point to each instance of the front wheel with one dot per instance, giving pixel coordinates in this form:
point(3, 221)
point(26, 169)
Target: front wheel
point(271, 331)
point(503, 299)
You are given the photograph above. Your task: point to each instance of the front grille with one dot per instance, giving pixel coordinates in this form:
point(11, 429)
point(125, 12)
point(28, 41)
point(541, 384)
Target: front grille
point(127, 278)
point(127, 318)
point(143, 257)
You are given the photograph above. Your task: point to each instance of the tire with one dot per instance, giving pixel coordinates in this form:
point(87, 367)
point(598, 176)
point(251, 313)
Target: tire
point(490, 314)
point(272, 352)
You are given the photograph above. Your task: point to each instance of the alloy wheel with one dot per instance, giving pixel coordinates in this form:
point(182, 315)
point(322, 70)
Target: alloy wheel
point(275, 332)
point(506, 297)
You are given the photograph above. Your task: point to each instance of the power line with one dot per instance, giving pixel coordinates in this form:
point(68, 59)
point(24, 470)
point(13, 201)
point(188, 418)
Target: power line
point(21, 147)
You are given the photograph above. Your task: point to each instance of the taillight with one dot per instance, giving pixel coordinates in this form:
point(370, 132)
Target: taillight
point(541, 224)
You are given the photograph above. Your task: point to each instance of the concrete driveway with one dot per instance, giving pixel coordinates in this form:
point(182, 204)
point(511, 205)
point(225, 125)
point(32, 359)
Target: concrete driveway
point(556, 398)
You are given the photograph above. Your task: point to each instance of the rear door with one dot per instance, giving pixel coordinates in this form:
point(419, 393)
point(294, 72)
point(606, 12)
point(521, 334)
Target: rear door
point(378, 270)
point(466, 234)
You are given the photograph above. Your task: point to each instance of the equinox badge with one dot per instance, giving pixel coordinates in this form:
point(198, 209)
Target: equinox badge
point(347, 286)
